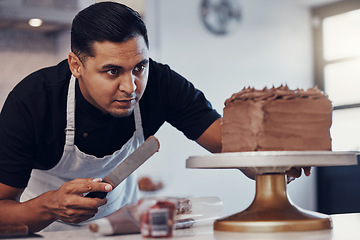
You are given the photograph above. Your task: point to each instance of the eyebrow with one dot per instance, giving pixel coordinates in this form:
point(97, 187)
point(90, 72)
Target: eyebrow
point(110, 66)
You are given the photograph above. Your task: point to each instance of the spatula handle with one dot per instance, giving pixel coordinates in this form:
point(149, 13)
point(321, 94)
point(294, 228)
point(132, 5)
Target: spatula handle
point(100, 195)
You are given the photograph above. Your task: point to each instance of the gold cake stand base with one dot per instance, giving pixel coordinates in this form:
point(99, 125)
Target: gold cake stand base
point(272, 211)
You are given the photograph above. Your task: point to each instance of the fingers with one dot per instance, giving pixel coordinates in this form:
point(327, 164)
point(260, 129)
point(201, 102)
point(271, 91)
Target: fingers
point(79, 187)
point(74, 215)
point(289, 179)
point(82, 186)
point(68, 204)
point(307, 171)
point(250, 173)
point(295, 172)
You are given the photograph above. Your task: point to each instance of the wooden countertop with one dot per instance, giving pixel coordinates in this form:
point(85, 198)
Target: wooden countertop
point(345, 226)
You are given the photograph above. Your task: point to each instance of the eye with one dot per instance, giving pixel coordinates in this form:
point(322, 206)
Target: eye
point(113, 72)
point(139, 68)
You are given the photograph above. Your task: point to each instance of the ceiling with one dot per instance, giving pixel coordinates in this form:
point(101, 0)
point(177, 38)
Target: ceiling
point(57, 15)
point(313, 3)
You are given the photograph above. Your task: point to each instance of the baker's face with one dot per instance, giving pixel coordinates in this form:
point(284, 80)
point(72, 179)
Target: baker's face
point(115, 79)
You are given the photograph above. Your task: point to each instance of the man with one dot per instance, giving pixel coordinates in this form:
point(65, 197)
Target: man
point(63, 128)
point(70, 124)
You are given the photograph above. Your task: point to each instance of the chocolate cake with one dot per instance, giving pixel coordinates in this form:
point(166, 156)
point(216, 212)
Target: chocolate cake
point(277, 119)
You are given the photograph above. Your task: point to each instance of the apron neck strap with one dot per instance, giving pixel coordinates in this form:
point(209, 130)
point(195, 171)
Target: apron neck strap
point(137, 117)
point(70, 113)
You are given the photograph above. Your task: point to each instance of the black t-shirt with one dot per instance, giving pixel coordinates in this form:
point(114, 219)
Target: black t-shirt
point(33, 119)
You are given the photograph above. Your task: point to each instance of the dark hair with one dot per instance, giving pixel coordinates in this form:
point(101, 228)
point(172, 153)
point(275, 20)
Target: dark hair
point(104, 21)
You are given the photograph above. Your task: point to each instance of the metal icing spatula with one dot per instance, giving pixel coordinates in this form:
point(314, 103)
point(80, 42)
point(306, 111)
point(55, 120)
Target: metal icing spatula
point(129, 165)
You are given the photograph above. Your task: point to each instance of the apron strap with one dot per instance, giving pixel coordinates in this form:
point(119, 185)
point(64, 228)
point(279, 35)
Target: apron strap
point(137, 117)
point(70, 113)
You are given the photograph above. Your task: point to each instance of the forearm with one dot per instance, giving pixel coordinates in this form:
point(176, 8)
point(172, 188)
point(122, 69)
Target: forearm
point(66, 204)
point(32, 213)
point(211, 138)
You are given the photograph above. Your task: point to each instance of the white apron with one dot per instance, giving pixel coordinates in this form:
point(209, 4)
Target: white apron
point(76, 164)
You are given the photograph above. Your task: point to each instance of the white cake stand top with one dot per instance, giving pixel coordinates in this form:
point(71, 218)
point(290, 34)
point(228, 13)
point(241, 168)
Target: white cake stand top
point(273, 161)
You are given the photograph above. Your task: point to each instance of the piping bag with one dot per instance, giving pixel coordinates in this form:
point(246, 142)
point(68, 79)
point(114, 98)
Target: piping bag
point(189, 213)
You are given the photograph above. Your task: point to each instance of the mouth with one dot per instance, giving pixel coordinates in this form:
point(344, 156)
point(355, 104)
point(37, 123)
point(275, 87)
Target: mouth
point(125, 103)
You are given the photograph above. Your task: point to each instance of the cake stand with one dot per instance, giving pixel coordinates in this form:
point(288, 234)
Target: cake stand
point(271, 209)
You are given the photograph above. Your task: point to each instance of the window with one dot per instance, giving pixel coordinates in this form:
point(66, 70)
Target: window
point(336, 30)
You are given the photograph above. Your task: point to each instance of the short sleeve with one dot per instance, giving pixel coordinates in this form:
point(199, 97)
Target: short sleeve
point(16, 141)
point(187, 108)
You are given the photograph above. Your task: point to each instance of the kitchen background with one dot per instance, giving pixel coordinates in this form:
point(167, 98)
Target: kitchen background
point(270, 42)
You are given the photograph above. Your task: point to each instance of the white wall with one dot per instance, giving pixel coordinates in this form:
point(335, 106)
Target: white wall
point(22, 53)
point(272, 45)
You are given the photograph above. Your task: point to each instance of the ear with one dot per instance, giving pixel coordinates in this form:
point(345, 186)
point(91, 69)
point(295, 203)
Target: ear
point(74, 64)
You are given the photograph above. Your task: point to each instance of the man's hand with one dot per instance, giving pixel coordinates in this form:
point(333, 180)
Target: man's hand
point(295, 172)
point(292, 173)
point(68, 204)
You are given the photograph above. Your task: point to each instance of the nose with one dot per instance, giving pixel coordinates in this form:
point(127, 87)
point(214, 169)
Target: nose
point(127, 83)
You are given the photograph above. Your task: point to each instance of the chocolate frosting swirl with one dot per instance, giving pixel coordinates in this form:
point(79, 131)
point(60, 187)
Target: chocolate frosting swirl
point(282, 92)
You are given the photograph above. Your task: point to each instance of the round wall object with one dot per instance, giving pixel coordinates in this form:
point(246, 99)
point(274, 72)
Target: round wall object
point(221, 16)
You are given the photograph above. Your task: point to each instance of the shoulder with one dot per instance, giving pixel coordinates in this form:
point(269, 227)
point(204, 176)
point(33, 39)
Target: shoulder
point(163, 78)
point(174, 99)
point(156, 67)
point(158, 72)
point(46, 79)
point(37, 98)
point(162, 71)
